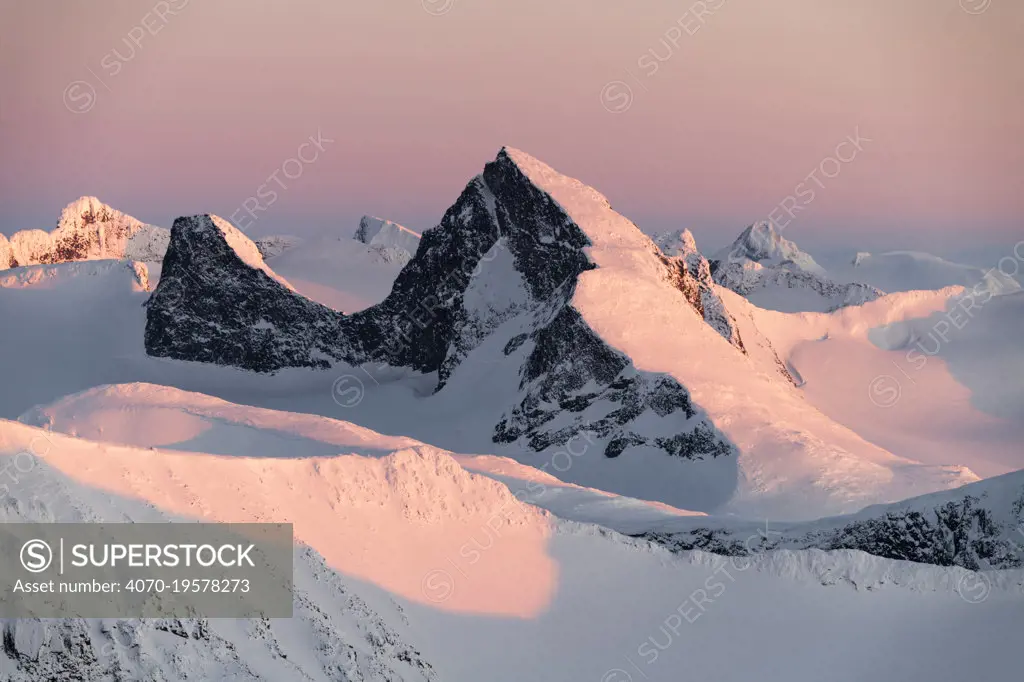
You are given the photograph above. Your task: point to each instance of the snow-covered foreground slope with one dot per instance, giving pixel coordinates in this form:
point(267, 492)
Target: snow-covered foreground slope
point(147, 415)
point(928, 375)
point(989, 515)
point(913, 270)
point(410, 568)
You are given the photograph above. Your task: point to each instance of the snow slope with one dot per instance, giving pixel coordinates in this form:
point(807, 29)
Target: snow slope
point(913, 270)
point(147, 416)
point(338, 272)
point(989, 514)
point(410, 568)
point(922, 373)
point(391, 241)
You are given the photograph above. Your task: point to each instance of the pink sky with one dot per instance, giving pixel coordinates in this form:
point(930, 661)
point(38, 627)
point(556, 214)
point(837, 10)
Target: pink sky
point(216, 96)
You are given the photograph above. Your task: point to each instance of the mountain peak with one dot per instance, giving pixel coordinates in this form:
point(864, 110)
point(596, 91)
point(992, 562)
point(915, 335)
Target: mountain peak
point(761, 262)
point(214, 272)
point(242, 246)
point(372, 230)
point(587, 210)
point(88, 210)
point(84, 204)
point(677, 243)
point(762, 243)
point(87, 229)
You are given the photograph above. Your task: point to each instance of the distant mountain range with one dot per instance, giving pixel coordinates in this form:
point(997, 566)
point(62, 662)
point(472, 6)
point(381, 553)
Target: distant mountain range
point(773, 273)
point(543, 407)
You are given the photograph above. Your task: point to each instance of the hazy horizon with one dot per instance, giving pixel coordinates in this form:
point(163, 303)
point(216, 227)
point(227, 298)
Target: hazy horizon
point(704, 115)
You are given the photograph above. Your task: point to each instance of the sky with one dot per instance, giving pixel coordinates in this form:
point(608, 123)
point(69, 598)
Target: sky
point(707, 115)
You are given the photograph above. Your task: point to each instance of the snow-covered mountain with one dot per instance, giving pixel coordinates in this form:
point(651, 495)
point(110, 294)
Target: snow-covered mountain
point(553, 382)
point(775, 274)
point(762, 243)
point(391, 241)
point(581, 329)
point(87, 229)
point(502, 217)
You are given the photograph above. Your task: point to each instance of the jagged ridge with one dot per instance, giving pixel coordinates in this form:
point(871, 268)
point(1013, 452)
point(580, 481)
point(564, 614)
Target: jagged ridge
point(213, 306)
point(680, 249)
point(979, 526)
point(87, 229)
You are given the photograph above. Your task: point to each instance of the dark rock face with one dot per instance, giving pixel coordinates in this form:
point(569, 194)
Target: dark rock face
point(690, 272)
point(419, 322)
point(214, 306)
point(961, 532)
point(566, 359)
point(693, 279)
point(954, 534)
